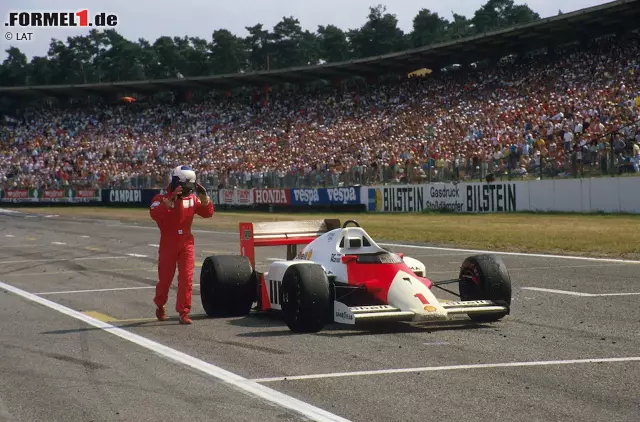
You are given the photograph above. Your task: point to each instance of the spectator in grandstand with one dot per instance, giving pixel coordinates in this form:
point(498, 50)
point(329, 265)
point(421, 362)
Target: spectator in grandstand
point(534, 115)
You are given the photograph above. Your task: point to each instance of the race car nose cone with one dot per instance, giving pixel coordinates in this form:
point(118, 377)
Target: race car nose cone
point(407, 293)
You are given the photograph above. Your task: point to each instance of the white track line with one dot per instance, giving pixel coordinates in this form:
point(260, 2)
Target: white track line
point(58, 243)
point(156, 228)
point(533, 255)
point(9, 235)
point(449, 368)
point(234, 380)
point(94, 290)
point(89, 221)
point(563, 292)
point(570, 293)
point(401, 245)
point(87, 258)
point(115, 289)
point(153, 245)
point(555, 267)
point(91, 270)
point(135, 255)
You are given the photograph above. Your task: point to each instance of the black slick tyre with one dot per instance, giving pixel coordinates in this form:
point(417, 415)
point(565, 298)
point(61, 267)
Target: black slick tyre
point(485, 277)
point(306, 298)
point(227, 286)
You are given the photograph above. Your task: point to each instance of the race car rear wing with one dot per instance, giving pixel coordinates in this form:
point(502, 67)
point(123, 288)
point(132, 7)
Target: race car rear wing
point(282, 233)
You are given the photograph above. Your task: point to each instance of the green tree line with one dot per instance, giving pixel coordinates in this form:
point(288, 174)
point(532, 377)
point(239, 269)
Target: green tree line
point(106, 56)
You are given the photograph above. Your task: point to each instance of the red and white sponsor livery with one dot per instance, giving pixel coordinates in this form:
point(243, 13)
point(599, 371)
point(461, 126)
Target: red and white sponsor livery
point(342, 275)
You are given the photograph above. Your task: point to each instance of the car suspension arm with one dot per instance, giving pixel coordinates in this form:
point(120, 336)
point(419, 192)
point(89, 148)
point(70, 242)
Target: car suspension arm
point(438, 284)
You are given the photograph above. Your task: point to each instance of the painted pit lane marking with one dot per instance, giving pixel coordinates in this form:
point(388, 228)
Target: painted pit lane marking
point(568, 292)
point(95, 270)
point(401, 245)
point(533, 255)
point(86, 258)
point(20, 245)
point(435, 248)
point(555, 267)
point(114, 289)
point(107, 318)
point(448, 368)
point(228, 377)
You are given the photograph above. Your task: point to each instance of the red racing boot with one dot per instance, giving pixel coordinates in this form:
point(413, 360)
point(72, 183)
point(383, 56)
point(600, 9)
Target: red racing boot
point(161, 314)
point(184, 319)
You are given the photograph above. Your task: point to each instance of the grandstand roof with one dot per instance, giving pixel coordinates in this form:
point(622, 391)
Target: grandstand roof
point(582, 24)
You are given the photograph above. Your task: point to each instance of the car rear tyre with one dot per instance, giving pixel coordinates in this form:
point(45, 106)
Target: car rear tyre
point(306, 298)
point(227, 286)
point(485, 277)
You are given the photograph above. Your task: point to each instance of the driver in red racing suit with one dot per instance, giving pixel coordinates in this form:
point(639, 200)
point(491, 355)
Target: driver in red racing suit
point(173, 213)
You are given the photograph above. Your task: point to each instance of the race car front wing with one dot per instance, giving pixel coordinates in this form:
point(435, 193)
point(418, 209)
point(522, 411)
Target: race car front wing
point(357, 314)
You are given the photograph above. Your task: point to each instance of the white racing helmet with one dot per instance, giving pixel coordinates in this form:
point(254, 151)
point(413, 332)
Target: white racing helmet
point(183, 176)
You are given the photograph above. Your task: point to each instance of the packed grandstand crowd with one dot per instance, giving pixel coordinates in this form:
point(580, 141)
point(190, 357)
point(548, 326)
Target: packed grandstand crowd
point(560, 115)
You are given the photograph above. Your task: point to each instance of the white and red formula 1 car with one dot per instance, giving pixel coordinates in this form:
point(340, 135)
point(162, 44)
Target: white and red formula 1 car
point(343, 276)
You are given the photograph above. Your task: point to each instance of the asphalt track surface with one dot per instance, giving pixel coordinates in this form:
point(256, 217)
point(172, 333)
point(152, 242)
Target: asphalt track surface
point(567, 353)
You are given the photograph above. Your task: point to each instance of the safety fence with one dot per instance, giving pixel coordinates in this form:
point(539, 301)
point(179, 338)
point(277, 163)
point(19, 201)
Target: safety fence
point(610, 194)
point(593, 164)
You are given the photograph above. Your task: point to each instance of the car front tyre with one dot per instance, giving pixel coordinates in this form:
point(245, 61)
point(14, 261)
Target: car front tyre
point(485, 277)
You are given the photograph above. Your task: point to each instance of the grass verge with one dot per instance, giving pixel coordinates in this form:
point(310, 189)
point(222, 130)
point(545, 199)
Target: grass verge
point(576, 234)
